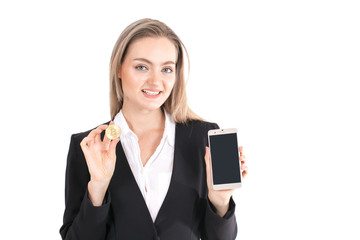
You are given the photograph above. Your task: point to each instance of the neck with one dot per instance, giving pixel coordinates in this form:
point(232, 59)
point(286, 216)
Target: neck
point(144, 120)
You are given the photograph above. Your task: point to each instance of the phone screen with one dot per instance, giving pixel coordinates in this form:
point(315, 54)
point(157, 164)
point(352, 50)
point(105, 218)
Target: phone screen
point(225, 158)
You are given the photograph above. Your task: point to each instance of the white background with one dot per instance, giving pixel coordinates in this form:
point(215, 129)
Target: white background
point(285, 73)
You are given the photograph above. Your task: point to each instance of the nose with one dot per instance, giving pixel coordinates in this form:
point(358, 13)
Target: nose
point(154, 78)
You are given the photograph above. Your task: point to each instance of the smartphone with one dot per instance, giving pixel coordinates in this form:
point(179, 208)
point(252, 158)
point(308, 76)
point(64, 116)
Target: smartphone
point(224, 158)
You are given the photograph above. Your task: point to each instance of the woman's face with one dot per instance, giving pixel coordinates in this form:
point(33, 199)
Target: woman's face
point(148, 73)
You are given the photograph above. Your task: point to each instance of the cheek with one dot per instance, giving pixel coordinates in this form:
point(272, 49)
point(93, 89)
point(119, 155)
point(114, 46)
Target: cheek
point(132, 81)
point(170, 83)
point(128, 87)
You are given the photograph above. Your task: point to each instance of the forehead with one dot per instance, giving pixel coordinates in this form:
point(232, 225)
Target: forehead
point(153, 48)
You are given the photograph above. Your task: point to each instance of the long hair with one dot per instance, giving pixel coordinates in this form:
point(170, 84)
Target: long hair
point(176, 104)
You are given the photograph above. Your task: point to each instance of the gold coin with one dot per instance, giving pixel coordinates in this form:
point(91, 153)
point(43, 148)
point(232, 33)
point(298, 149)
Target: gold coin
point(113, 131)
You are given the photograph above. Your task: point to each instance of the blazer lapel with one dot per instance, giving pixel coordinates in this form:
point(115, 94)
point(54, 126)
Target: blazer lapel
point(179, 197)
point(127, 199)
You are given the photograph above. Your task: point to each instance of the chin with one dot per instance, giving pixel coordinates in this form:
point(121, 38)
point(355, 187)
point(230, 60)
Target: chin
point(151, 106)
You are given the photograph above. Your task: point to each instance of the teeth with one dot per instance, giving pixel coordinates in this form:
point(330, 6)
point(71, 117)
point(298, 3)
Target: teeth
point(150, 92)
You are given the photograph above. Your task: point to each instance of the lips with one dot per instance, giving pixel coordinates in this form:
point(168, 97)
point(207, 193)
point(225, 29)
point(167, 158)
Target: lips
point(151, 92)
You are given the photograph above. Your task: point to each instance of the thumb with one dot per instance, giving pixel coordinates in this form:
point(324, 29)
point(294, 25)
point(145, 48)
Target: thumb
point(208, 168)
point(207, 155)
point(113, 144)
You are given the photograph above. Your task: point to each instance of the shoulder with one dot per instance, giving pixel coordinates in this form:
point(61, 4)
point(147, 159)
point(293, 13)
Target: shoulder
point(75, 154)
point(78, 137)
point(195, 130)
point(197, 126)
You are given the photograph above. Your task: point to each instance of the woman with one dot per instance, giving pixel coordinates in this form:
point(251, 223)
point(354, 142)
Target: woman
point(156, 183)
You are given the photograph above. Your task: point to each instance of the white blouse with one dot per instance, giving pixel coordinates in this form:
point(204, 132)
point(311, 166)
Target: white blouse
point(154, 178)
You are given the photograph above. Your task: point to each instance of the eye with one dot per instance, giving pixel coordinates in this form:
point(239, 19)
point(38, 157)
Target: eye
point(167, 70)
point(142, 68)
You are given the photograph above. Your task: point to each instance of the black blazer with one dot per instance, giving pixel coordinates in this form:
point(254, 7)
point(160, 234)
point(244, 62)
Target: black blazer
point(186, 212)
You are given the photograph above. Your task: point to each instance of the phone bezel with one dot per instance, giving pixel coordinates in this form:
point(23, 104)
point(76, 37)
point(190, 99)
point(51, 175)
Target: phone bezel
point(215, 132)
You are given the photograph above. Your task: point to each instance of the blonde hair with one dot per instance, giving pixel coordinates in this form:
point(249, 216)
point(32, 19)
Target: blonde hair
point(176, 104)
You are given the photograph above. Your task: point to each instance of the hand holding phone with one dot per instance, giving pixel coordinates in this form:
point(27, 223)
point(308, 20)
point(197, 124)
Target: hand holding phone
point(224, 158)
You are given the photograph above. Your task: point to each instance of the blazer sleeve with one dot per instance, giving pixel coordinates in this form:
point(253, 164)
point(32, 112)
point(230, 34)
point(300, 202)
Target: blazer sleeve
point(214, 226)
point(82, 221)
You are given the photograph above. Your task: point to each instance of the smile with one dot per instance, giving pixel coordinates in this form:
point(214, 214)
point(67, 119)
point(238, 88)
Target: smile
point(150, 92)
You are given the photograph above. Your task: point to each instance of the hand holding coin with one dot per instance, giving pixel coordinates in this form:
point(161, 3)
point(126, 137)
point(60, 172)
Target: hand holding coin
point(100, 156)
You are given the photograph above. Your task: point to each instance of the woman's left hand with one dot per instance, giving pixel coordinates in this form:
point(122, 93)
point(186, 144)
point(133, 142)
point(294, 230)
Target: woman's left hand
point(221, 198)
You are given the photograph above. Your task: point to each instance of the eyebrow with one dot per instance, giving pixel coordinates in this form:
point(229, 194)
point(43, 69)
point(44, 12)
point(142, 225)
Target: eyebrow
point(149, 62)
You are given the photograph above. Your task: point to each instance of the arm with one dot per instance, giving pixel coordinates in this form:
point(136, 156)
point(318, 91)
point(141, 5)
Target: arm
point(90, 222)
point(219, 220)
point(216, 227)
point(83, 218)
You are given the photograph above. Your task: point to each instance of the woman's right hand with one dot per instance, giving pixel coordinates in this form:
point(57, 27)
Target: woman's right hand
point(100, 158)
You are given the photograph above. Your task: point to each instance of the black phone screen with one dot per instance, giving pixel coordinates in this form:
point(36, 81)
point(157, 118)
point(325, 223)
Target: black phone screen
point(225, 158)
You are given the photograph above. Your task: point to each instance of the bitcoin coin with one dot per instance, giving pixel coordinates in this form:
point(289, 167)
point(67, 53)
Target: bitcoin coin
point(113, 131)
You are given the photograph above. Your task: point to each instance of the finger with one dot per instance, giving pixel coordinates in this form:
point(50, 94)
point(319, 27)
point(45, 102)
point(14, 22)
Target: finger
point(207, 158)
point(113, 144)
point(208, 167)
point(97, 131)
point(245, 171)
point(106, 140)
point(243, 159)
point(88, 141)
point(244, 174)
point(84, 142)
point(241, 150)
point(112, 148)
point(244, 167)
point(98, 136)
